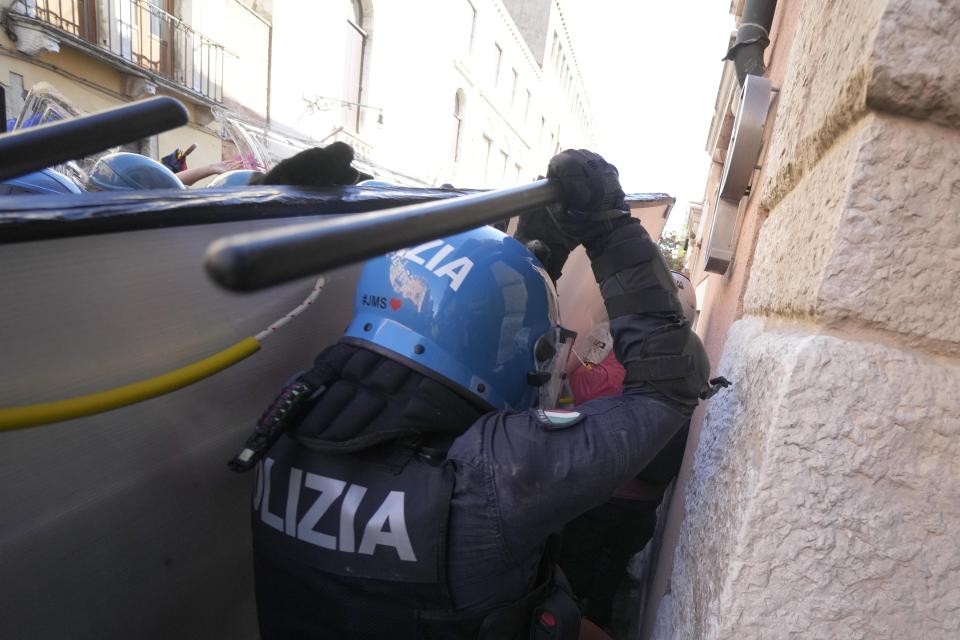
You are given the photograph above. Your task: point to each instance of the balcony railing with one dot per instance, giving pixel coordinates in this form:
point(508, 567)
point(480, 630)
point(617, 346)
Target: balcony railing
point(141, 33)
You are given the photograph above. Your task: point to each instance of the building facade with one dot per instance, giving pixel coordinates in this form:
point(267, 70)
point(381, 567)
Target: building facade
point(819, 495)
point(476, 93)
point(103, 53)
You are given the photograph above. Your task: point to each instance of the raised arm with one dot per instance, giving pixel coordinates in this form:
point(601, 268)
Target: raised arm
point(546, 467)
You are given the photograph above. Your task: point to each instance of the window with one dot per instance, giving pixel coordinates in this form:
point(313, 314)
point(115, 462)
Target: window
point(519, 171)
point(553, 47)
point(472, 17)
point(505, 161)
point(488, 144)
point(526, 107)
point(145, 32)
point(458, 107)
point(513, 87)
point(543, 127)
point(356, 39)
point(156, 23)
point(498, 59)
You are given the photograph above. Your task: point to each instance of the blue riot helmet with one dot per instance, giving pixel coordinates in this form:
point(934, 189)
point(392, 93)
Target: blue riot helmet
point(475, 311)
point(43, 182)
point(236, 178)
point(130, 172)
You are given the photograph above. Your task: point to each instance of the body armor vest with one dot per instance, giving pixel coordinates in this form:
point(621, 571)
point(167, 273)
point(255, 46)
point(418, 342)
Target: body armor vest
point(363, 538)
point(350, 520)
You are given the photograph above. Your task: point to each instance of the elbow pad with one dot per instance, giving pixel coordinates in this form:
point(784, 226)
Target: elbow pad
point(674, 362)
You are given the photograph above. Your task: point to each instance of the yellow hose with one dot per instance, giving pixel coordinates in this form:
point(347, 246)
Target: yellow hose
point(47, 412)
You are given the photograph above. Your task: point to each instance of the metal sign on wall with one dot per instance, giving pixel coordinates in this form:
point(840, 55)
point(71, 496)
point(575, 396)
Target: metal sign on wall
point(745, 143)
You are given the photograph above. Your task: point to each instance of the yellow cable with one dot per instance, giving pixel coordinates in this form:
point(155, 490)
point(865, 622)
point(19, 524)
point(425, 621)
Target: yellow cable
point(47, 412)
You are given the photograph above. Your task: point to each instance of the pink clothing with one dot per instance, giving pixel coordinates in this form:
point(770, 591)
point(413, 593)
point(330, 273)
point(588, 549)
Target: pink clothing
point(597, 381)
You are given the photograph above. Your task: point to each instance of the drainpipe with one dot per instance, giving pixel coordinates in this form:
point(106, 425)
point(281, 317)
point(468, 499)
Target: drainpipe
point(753, 36)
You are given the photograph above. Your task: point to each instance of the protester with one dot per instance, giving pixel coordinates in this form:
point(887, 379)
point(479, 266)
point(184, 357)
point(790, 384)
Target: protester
point(177, 160)
point(130, 172)
point(190, 177)
point(597, 546)
point(43, 182)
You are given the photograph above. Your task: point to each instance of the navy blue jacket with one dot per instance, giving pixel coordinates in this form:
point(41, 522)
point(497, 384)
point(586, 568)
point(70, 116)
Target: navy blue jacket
point(514, 479)
point(520, 478)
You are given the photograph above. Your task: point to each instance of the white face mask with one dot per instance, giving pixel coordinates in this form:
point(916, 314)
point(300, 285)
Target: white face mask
point(598, 344)
point(551, 354)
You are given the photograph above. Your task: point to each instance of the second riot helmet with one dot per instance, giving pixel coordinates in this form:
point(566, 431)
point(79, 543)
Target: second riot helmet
point(130, 172)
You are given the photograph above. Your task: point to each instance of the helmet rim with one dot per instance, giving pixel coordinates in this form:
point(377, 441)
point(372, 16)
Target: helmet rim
point(468, 309)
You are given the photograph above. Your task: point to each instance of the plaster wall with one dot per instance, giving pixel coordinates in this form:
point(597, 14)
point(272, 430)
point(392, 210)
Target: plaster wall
point(823, 495)
point(825, 499)
point(876, 243)
point(720, 297)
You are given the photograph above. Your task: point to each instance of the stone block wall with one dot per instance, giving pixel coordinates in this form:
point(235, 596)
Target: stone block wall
point(825, 495)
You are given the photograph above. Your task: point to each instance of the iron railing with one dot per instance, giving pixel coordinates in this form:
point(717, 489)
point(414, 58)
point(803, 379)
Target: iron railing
point(141, 33)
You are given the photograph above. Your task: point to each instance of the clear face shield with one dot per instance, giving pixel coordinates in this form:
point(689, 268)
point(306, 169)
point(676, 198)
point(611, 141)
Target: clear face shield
point(550, 354)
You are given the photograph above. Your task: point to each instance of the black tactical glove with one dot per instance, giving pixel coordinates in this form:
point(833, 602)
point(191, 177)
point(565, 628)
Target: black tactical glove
point(542, 236)
point(589, 182)
point(591, 188)
point(317, 167)
point(594, 203)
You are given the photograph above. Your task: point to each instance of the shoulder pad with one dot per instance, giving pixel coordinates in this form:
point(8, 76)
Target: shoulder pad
point(555, 419)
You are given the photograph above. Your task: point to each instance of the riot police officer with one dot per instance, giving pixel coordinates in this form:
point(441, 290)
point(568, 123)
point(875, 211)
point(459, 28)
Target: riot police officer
point(123, 171)
point(419, 494)
point(42, 182)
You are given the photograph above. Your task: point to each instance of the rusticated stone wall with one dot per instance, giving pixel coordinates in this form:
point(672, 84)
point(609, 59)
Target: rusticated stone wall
point(825, 495)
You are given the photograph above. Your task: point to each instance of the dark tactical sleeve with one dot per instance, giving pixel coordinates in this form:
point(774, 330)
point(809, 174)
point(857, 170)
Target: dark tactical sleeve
point(540, 469)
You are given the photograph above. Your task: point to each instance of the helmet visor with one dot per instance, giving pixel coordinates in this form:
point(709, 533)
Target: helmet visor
point(551, 352)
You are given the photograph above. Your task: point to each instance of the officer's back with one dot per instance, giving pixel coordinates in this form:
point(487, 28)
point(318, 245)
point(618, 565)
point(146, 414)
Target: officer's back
point(419, 494)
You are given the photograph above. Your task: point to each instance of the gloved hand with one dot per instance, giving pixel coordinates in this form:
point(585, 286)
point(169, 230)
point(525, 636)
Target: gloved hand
point(317, 167)
point(589, 182)
point(541, 235)
point(594, 203)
